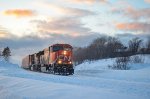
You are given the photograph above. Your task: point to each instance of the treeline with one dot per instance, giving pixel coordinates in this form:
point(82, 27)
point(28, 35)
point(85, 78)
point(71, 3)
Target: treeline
point(5, 53)
point(110, 47)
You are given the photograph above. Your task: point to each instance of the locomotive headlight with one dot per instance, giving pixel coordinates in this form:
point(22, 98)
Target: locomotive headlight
point(70, 62)
point(65, 52)
point(59, 62)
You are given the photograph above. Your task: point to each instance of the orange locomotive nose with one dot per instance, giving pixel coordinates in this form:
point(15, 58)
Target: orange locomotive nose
point(64, 57)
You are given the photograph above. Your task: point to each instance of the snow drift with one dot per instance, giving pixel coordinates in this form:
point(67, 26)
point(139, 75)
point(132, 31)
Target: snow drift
point(91, 81)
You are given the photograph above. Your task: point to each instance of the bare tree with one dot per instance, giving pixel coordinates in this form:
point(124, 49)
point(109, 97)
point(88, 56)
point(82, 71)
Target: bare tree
point(113, 45)
point(98, 47)
point(107, 47)
point(134, 45)
point(102, 47)
point(137, 59)
point(79, 55)
point(121, 63)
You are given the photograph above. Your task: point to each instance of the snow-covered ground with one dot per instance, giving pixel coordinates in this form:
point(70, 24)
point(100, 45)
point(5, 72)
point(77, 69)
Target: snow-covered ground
point(91, 81)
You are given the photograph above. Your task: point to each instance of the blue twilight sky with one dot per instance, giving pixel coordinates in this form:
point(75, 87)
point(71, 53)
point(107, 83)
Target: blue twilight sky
point(27, 26)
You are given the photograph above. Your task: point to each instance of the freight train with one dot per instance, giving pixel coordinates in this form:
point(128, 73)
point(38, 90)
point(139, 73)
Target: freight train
point(56, 59)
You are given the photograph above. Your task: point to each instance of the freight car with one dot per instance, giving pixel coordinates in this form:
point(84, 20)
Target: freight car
point(56, 59)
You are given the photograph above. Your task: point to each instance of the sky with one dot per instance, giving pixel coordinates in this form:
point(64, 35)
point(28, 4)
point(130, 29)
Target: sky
point(27, 26)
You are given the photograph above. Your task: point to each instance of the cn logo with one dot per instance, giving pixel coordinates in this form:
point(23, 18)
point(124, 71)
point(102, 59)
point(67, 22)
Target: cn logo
point(66, 58)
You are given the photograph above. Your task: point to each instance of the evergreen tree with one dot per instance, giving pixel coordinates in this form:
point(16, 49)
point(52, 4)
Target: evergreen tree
point(6, 53)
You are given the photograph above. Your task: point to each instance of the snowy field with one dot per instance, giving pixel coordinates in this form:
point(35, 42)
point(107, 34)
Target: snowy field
point(91, 81)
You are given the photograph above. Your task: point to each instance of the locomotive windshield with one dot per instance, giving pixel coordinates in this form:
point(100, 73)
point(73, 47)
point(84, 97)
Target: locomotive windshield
point(67, 49)
point(57, 48)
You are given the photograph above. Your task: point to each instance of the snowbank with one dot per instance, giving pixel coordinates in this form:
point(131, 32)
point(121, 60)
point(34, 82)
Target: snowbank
point(91, 81)
point(104, 63)
point(6, 64)
point(95, 65)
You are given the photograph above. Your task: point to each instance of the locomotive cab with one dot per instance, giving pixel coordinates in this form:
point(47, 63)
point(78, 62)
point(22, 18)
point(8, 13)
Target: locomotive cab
point(61, 57)
point(61, 54)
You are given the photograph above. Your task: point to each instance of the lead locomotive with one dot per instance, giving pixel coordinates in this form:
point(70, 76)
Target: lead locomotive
point(56, 59)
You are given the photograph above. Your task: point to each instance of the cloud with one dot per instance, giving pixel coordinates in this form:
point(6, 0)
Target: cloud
point(68, 22)
point(63, 25)
point(4, 33)
point(36, 43)
point(131, 12)
point(77, 12)
point(137, 13)
point(88, 1)
point(20, 12)
point(147, 1)
point(134, 26)
point(21, 47)
point(67, 11)
point(125, 37)
point(138, 18)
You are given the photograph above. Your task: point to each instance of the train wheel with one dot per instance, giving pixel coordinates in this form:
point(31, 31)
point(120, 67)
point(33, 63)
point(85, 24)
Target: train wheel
point(33, 68)
point(59, 71)
point(71, 71)
point(39, 68)
point(36, 69)
point(65, 71)
point(29, 67)
point(54, 71)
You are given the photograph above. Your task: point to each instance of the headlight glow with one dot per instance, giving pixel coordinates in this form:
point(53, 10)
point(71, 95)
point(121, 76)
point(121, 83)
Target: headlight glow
point(65, 52)
point(59, 62)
